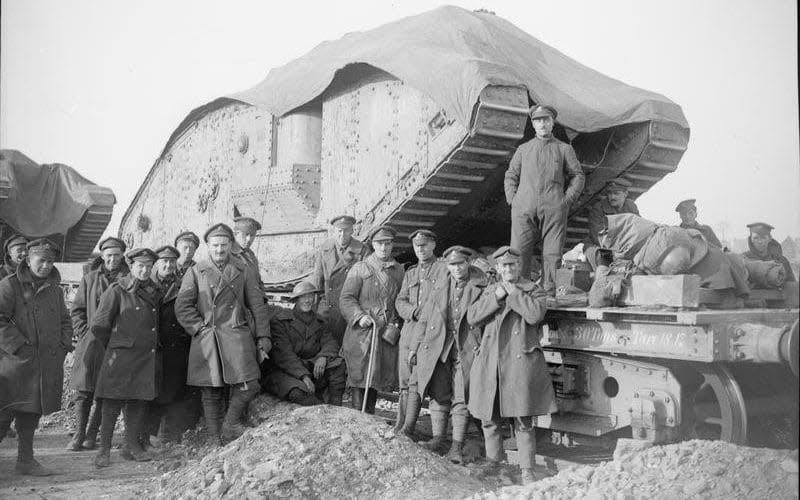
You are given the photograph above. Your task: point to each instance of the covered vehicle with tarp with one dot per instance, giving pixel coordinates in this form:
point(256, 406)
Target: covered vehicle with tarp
point(54, 201)
point(410, 124)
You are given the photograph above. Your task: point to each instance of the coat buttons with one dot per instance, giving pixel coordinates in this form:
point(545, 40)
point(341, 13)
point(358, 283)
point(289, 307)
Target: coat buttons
point(519, 356)
point(153, 329)
point(516, 332)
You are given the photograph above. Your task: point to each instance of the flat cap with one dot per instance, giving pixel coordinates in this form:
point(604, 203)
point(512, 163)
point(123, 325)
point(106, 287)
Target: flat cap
point(382, 233)
point(248, 224)
point(685, 205)
point(422, 236)
point(343, 221)
point(188, 235)
point(141, 255)
point(218, 229)
point(761, 228)
point(167, 252)
point(303, 288)
point(43, 247)
point(15, 240)
point(506, 254)
point(112, 242)
point(618, 184)
point(456, 254)
point(542, 110)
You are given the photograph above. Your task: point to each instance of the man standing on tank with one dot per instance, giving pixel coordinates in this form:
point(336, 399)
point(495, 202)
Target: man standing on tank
point(332, 261)
point(106, 270)
point(418, 282)
point(543, 180)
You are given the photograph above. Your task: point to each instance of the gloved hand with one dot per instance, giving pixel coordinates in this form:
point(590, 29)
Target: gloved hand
point(319, 366)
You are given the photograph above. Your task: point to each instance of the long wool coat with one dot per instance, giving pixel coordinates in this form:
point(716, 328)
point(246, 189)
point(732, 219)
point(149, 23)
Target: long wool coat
point(510, 363)
point(418, 283)
point(298, 341)
point(431, 330)
point(87, 361)
point(35, 335)
point(126, 324)
point(214, 308)
point(370, 288)
point(329, 274)
point(174, 344)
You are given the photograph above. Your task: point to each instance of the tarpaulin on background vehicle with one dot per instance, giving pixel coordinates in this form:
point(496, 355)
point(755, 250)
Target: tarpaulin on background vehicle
point(451, 54)
point(41, 200)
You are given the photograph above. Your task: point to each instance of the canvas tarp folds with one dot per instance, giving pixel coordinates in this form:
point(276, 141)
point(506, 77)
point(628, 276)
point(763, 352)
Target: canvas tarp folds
point(41, 200)
point(451, 54)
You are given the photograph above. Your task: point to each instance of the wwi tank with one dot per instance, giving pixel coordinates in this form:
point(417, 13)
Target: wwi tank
point(411, 124)
point(52, 201)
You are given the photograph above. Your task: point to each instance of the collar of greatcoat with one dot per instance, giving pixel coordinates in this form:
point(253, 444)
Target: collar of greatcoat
point(132, 285)
point(24, 275)
point(233, 269)
point(329, 246)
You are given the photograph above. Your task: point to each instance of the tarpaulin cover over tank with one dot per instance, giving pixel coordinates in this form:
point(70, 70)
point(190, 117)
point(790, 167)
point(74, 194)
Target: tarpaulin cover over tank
point(41, 199)
point(451, 54)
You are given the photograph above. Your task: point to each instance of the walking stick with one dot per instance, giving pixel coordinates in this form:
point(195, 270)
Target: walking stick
point(372, 342)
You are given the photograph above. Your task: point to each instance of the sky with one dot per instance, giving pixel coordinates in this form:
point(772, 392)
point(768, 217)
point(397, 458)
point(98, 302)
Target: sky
point(100, 85)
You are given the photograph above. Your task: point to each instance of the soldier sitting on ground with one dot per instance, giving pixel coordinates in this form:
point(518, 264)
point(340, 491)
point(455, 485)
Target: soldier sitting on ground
point(305, 357)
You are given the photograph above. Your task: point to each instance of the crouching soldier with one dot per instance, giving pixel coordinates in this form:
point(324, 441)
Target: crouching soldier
point(221, 306)
point(35, 335)
point(126, 326)
point(305, 358)
point(176, 408)
point(442, 351)
point(509, 377)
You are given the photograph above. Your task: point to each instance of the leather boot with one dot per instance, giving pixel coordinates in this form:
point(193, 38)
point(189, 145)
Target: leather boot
point(356, 398)
point(493, 442)
point(111, 410)
point(372, 399)
point(6, 417)
point(95, 417)
point(526, 443)
point(456, 454)
point(303, 398)
point(134, 415)
point(212, 411)
point(413, 404)
point(83, 407)
point(241, 395)
point(438, 429)
point(26, 425)
point(401, 411)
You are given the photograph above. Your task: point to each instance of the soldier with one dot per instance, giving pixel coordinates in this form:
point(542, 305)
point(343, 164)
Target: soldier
point(333, 260)
point(418, 281)
point(244, 232)
point(534, 186)
point(126, 326)
point(615, 202)
point(220, 305)
point(177, 406)
point(305, 357)
point(186, 243)
point(688, 213)
point(105, 271)
point(442, 351)
point(367, 304)
point(14, 252)
point(763, 247)
point(509, 377)
point(35, 335)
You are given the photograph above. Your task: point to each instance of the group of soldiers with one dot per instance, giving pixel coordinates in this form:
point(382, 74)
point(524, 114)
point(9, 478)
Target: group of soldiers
point(162, 338)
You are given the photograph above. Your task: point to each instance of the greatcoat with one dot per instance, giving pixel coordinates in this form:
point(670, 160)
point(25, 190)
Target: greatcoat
point(126, 325)
point(430, 332)
point(510, 364)
point(774, 253)
point(417, 284)
point(35, 335)
point(598, 213)
point(371, 288)
point(213, 306)
point(87, 361)
point(331, 266)
point(174, 345)
point(299, 339)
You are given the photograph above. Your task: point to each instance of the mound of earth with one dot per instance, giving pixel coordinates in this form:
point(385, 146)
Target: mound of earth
point(691, 469)
point(317, 452)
